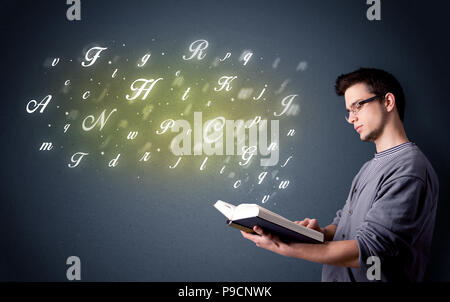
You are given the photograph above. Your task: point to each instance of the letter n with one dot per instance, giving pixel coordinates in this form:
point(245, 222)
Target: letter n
point(102, 120)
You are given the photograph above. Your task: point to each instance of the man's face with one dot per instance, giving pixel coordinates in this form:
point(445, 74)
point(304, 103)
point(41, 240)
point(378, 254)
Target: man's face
point(369, 121)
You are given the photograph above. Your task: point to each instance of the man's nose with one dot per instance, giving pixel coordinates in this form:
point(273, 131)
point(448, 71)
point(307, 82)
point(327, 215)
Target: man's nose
point(351, 118)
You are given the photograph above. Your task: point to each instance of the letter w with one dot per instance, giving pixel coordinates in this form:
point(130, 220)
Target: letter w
point(132, 135)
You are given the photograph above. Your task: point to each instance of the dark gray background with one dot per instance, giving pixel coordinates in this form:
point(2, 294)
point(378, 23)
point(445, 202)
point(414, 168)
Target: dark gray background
point(165, 228)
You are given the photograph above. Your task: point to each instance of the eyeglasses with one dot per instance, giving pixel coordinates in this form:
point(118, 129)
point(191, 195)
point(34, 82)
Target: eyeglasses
point(356, 107)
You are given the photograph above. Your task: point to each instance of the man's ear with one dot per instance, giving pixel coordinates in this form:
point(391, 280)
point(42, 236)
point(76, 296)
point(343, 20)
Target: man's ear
point(389, 101)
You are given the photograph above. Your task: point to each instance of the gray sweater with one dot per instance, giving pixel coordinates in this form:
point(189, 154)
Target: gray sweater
point(390, 212)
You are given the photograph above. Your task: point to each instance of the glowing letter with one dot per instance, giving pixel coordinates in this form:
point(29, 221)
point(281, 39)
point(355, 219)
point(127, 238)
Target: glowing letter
point(287, 160)
point(286, 103)
point(101, 119)
point(197, 48)
point(202, 167)
point(247, 57)
point(262, 92)
point(145, 157)
point(46, 146)
point(237, 184)
point(248, 153)
point(92, 59)
point(142, 88)
point(86, 95)
point(225, 81)
point(165, 125)
point(185, 94)
point(75, 160)
point(221, 170)
point(283, 184)
point(176, 164)
point(261, 177)
point(113, 162)
point(226, 57)
point(144, 60)
point(43, 103)
point(55, 61)
point(255, 121)
point(132, 135)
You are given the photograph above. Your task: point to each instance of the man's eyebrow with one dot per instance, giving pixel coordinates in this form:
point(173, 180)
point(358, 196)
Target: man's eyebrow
point(358, 100)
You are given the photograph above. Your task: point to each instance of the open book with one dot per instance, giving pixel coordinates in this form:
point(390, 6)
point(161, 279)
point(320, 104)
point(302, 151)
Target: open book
point(245, 216)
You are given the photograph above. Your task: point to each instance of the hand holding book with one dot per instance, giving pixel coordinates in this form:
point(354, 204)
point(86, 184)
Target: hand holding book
point(311, 224)
point(269, 242)
point(246, 216)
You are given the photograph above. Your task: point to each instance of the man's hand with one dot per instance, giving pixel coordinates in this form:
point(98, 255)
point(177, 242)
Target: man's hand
point(327, 231)
point(268, 241)
point(311, 224)
point(340, 253)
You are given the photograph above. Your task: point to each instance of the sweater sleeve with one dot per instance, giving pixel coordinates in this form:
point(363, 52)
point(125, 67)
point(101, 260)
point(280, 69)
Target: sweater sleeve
point(393, 221)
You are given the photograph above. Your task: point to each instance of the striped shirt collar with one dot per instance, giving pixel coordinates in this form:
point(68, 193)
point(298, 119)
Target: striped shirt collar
point(393, 150)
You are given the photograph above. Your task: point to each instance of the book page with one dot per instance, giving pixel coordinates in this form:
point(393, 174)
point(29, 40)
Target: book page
point(225, 208)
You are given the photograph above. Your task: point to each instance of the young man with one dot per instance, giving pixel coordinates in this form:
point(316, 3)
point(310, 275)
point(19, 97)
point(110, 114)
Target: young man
point(384, 230)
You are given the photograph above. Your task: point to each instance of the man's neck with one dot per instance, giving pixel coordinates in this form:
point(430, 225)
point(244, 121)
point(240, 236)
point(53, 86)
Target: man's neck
point(393, 135)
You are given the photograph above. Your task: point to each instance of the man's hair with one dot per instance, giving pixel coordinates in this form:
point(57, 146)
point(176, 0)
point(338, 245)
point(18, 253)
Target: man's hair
point(378, 82)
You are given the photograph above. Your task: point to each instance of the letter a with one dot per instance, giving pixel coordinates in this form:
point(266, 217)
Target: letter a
point(42, 104)
point(73, 272)
point(374, 12)
point(373, 272)
point(74, 12)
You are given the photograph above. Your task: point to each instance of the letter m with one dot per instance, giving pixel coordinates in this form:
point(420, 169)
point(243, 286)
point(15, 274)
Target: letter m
point(46, 146)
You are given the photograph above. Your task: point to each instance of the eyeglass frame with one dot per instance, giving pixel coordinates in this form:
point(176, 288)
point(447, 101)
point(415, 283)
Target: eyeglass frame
point(360, 103)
